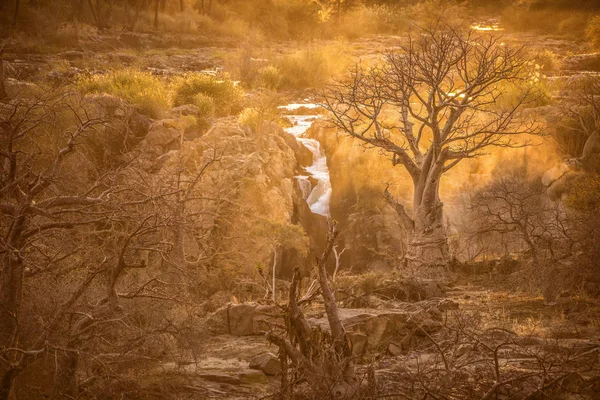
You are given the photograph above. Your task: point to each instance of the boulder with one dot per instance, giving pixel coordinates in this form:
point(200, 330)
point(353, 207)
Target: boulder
point(251, 319)
point(267, 363)
point(358, 343)
point(394, 349)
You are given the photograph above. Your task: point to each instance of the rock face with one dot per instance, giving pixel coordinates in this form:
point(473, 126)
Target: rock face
point(370, 229)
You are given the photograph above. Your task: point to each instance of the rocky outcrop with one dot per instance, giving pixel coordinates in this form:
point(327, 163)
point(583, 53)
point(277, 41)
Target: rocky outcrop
point(373, 330)
point(370, 330)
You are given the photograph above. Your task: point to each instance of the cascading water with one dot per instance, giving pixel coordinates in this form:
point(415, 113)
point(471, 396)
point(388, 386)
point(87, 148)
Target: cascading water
point(317, 198)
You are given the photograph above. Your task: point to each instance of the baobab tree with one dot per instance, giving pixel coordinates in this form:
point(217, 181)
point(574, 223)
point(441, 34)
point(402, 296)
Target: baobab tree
point(429, 105)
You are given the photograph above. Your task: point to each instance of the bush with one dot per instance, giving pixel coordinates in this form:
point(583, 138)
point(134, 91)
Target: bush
point(377, 19)
point(592, 32)
point(205, 104)
point(312, 67)
point(142, 89)
point(270, 77)
point(227, 97)
point(249, 116)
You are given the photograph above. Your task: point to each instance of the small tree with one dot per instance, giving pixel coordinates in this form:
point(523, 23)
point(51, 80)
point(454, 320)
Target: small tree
point(282, 235)
point(429, 106)
point(513, 206)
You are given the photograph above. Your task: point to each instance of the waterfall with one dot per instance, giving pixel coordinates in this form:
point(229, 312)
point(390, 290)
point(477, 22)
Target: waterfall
point(318, 198)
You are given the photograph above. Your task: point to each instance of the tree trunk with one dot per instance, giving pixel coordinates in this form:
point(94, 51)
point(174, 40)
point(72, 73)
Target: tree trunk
point(7, 382)
point(11, 285)
point(65, 376)
point(429, 242)
point(156, 4)
point(3, 94)
point(16, 14)
point(274, 270)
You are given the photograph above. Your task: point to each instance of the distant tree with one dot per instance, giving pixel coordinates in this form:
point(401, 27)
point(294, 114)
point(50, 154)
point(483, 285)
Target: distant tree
point(329, 9)
point(431, 105)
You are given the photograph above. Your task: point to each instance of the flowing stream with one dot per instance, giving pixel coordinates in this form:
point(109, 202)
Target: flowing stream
point(318, 196)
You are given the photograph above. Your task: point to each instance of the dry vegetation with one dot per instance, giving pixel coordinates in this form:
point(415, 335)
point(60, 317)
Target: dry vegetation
point(157, 239)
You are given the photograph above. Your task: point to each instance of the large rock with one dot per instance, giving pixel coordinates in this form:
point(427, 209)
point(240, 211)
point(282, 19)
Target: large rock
point(379, 327)
point(267, 363)
point(250, 318)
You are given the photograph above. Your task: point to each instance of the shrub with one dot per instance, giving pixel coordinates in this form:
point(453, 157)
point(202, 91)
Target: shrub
point(205, 104)
point(270, 77)
point(592, 32)
point(227, 96)
point(377, 19)
point(312, 67)
point(142, 89)
point(249, 116)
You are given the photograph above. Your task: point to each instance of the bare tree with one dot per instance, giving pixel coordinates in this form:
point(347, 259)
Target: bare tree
point(330, 371)
point(430, 105)
point(37, 202)
point(93, 231)
point(515, 207)
point(467, 360)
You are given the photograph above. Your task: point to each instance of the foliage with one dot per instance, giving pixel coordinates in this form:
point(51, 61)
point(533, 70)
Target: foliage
point(592, 32)
point(249, 116)
point(270, 77)
point(139, 88)
point(312, 67)
point(584, 195)
point(205, 104)
point(227, 96)
point(283, 234)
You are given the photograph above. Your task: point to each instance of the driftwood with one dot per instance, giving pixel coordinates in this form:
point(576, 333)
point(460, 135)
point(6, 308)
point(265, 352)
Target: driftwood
point(326, 366)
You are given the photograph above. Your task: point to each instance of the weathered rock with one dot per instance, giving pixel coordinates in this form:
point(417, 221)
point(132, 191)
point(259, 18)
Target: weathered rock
point(186, 109)
point(267, 363)
point(139, 125)
point(384, 326)
point(219, 377)
point(394, 349)
point(252, 376)
point(251, 318)
point(358, 342)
